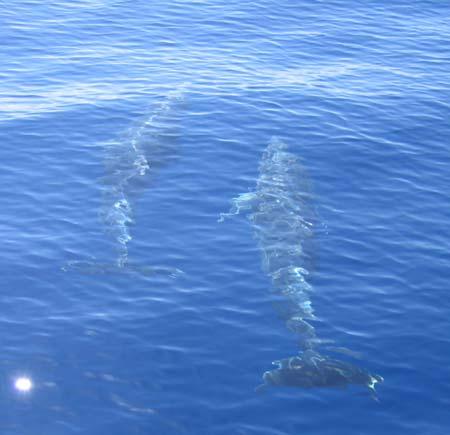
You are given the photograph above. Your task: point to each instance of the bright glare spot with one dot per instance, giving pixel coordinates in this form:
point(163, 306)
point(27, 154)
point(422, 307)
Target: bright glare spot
point(23, 384)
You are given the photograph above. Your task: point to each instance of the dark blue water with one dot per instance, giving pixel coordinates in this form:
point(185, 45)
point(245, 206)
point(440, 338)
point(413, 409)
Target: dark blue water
point(126, 129)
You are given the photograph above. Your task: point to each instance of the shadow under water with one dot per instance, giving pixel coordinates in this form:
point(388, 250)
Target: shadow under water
point(282, 216)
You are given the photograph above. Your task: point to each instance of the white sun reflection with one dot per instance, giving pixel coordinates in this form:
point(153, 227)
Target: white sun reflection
point(23, 384)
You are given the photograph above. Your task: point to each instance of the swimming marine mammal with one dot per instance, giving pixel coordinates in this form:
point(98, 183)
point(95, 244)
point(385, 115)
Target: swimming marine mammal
point(282, 217)
point(131, 162)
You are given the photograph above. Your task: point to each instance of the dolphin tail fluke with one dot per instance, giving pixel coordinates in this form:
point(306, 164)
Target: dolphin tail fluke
point(97, 268)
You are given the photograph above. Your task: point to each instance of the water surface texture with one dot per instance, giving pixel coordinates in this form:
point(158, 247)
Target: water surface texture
point(126, 130)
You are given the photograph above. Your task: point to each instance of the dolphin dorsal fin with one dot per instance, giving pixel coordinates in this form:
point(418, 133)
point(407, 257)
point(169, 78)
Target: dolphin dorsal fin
point(244, 202)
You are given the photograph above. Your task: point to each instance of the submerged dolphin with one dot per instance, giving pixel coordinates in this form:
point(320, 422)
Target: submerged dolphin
point(130, 164)
point(282, 217)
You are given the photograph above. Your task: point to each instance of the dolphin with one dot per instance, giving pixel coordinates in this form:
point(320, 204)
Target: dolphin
point(282, 217)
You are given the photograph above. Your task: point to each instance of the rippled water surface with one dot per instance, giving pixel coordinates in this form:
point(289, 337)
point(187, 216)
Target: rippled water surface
point(128, 127)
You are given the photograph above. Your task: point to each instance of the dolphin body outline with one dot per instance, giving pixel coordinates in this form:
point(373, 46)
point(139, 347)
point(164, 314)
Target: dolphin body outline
point(282, 216)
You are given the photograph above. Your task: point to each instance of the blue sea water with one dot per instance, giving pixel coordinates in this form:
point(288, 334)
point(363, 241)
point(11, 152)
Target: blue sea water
point(127, 128)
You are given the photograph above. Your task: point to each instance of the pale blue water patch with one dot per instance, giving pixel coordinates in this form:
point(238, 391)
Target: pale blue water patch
point(358, 91)
point(295, 47)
